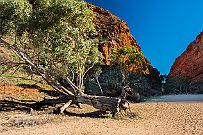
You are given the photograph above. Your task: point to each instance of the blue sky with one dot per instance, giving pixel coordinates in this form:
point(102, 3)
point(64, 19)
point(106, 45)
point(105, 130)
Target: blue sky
point(163, 28)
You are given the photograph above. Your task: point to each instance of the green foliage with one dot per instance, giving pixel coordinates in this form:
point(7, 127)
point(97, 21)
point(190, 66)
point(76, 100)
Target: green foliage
point(139, 81)
point(155, 79)
point(141, 84)
point(123, 61)
point(110, 79)
point(127, 57)
point(178, 84)
point(58, 34)
point(14, 15)
point(196, 87)
point(2, 68)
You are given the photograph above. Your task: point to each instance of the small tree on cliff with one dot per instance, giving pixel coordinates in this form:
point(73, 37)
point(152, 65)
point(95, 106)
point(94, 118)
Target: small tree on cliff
point(58, 34)
point(129, 59)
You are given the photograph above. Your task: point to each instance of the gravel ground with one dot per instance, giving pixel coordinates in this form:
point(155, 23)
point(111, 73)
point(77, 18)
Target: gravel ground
point(162, 118)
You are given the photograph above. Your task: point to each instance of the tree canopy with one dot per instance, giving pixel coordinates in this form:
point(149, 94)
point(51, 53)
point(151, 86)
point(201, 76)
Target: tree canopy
point(56, 34)
point(129, 59)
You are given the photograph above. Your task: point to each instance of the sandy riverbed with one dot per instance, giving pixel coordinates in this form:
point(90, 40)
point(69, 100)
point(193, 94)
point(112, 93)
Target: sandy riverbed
point(154, 118)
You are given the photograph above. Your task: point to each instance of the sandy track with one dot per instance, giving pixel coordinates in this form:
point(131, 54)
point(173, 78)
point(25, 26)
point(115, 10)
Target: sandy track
point(153, 119)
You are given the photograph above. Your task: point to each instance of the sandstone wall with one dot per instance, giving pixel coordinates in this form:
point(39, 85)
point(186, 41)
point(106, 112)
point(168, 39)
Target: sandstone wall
point(190, 63)
point(113, 32)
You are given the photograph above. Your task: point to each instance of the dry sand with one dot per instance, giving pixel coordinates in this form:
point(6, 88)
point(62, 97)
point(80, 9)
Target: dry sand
point(163, 118)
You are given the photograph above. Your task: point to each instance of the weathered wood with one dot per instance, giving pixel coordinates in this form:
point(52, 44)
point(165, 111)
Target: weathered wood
point(65, 106)
point(124, 105)
point(102, 103)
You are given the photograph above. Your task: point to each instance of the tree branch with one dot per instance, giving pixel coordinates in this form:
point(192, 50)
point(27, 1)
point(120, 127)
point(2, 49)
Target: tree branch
point(42, 72)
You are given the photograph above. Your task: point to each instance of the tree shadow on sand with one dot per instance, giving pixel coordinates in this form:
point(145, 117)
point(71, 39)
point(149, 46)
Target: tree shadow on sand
point(49, 106)
point(8, 105)
point(27, 106)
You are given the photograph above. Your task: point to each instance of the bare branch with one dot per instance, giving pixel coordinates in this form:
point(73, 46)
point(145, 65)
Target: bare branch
point(88, 70)
point(97, 80)
point(42, 72)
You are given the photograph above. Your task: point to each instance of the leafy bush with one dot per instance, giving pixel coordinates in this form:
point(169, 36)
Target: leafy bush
point(178, 84)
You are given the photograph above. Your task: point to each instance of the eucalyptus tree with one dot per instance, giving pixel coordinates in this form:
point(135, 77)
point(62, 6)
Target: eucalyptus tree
point(58, 34)
point(129, 59)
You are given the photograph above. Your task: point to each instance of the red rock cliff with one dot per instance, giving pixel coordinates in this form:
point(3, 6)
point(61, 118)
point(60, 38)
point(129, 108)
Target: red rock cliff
point(190, 63)
point(112, 33)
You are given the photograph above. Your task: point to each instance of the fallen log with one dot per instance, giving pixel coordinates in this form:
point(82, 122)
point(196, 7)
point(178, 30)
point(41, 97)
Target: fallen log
point(104, 104)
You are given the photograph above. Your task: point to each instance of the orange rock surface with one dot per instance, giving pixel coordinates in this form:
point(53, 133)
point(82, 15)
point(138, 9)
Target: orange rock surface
point(112, 33)
point(190, 63)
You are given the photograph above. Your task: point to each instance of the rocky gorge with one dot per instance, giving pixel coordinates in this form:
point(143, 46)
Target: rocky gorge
point(189, 65)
